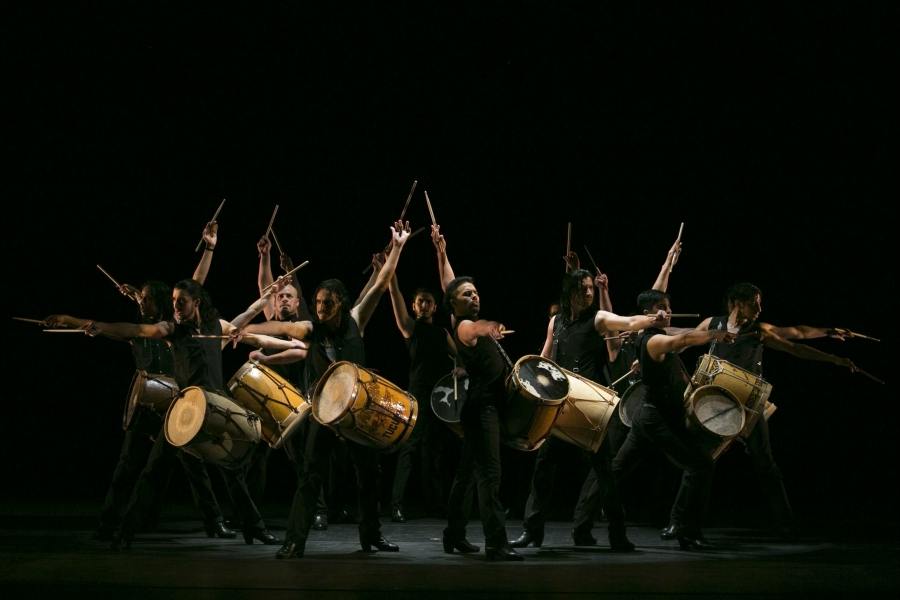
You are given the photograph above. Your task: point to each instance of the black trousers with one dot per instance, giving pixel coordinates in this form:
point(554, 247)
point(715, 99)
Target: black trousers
point(313, 471)
point(425, 444)
point(154, 476)
point(653, 432)
point(759, 448)
point(480, 462)
point(601, 489)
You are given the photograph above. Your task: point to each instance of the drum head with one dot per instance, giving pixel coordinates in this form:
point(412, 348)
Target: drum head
point(336, 393)
point(444, 402)
point(717, 411)
point(186, 416)
point(541, 378)
point(631, 403)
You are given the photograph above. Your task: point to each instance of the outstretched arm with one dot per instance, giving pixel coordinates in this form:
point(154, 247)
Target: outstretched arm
point(362, 312)
point(771, 339)
point(468, 331)
point(299, 330)
point(660, 345)
point(210, 238)
point(377, 263)
point(405, 323)
point(662, 280)
point(445, 271)
point(116, 331)
point(805, 332)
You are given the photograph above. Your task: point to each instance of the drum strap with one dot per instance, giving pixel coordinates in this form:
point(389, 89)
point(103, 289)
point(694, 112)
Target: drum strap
point(503, 353)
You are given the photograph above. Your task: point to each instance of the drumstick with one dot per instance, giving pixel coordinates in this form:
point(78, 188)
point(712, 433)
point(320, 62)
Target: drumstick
point(430, 209)
point(455, 387)
point(677, 252)
point(591, 258)
point(210, 337)
point(111, 278)
point(65, 331)
point(684, 315)
point(291, 272)
point(870, 376)
point(507, 331)
point(275, 239)
point(24, 320)
point(408, 198)
point(215, 215)
point(568, 240)
point(625, 376)
point(271, 221)
point(860, 335)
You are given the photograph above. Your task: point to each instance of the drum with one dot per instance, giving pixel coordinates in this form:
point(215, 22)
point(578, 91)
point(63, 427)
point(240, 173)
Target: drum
point(448, 399)
point(586, 413)
point(364, 407)
point(281, 408)
point(212, 427)
point(715, 416)
point(751, 390)
point(152, 391)
point(631, 403)
point(536, 391)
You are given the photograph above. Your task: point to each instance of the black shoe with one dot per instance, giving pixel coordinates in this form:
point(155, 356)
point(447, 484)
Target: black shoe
point(290, 550)
point(344, 516)
point(397, 515)
point(619, 542)
point(583, 538)
point(668, 533)
point(260, 533)
point(320, 522)
point(692, 540)
point(462, 545)
point(528, 538)
point(380, 544)
point(218, 529)
point(502, 553)
point(121, 540)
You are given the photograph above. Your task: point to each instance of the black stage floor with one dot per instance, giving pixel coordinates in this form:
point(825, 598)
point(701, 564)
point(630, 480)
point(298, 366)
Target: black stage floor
point(51, 554)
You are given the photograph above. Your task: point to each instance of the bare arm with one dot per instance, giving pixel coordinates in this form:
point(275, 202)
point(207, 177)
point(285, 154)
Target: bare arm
point(377, 263)
point(296, 329)
point(468, 331)
point(605, 321)
point(660, 345)
point(771, 339)
point(210, 237)
point(285, 357)
point(264, 274)
point(547, 350)
point(805, 332)
point(362, 312)
point(405, 323)
point(445, 271)
point(662, 280)
point(116, 331)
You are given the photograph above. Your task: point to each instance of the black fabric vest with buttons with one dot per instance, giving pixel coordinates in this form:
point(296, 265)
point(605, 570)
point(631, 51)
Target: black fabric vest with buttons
point(578, 347)
point(746, 351)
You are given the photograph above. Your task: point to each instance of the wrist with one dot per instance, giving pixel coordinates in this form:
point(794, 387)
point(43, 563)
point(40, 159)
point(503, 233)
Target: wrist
point(210, 248)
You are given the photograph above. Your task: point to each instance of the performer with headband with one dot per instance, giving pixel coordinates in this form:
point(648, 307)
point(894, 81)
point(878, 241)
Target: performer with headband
point(744, 304)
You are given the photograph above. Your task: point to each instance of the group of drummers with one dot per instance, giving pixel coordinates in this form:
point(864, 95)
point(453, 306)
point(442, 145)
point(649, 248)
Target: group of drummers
point(306, 388)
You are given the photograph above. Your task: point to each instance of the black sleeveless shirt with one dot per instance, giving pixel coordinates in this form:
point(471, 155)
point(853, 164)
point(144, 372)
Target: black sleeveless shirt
point(486, 368)
point(746, 351)
point(428, 358)
point(198, 361)
point(326, 347)
point(578, 347)
point(665, 381)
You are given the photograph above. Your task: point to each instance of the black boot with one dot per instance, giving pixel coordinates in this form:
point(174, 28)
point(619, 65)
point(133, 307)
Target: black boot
point(583, 538)
point(528, 538)
point(502, 553)
point(461, 545)
point(668, 533)
point(320, 521)
point(259, 533)
point(218, 529)
point(290, 550)
point(380, 544)
point(618, 541)
point(397, 515)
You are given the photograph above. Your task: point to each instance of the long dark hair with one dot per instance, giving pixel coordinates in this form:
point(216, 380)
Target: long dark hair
point(208, 313)
point(740, 292)
point(161, 295)
point(571, 284)
point(337, 288)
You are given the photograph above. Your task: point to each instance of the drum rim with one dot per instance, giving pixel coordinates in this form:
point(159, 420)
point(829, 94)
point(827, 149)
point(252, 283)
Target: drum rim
point(431, 397)
point(513, 376)
point(723, 392)
point(321, 383)
point(181, 394)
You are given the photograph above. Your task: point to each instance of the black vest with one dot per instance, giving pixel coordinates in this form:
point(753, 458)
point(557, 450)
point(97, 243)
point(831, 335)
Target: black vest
point(428, 358)
point(746, 351)
point(487, 370)
point(346, 343)
point(578, 347)
point(153, 356)
point(665, 381)
point(198, 361)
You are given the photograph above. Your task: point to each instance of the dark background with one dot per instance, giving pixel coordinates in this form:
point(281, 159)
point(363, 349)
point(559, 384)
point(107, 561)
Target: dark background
point(769, 132)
